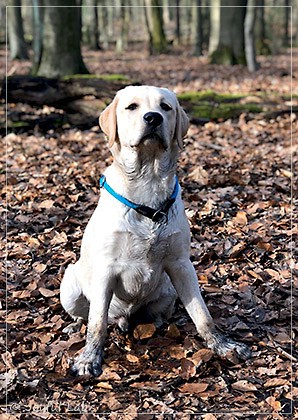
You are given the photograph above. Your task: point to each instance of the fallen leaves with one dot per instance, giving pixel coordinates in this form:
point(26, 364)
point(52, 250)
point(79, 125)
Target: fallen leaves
point(193, 388)
point(244, 386)
point(240, 218)
point(274, 403)
point(275, 382)
point(236, 179)
point(143, 331)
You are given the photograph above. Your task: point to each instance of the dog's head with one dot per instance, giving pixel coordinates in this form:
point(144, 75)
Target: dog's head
point(143, 115)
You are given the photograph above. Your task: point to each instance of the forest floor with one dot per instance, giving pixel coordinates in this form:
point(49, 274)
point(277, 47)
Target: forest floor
point(237, 176)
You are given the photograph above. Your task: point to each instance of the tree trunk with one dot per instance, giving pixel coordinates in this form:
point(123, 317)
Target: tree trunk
point(103, 23)
point(177, 16)
point(227, 32)
point(61, 54)
point(215, 27)
point(198, 29)
point(92, 31)
point(262, 46)
point(286, 24)
point(122, 38)
point(158, 38)
point(250, 51)
point(17, 45)
point(188, 22)
point(38, 18)
point(166, 12)
point(147, 23)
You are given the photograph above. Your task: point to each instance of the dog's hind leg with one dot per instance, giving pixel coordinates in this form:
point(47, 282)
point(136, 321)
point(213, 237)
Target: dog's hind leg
point(162, 306)
point(73, 300)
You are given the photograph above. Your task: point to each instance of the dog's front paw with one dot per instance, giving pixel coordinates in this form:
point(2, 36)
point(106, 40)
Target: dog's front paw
point(228, 348)
point(84, 365)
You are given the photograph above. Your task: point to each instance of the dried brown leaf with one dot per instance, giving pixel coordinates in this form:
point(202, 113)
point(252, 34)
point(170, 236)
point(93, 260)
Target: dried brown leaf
point(193, 388)
point(244, 385)
point(188, 369)
point(143, 331)
point(48, 293)
point(275, 382)
point(274, 403)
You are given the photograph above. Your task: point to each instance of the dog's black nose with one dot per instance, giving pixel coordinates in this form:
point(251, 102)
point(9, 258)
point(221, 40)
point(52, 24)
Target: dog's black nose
point(153, 119)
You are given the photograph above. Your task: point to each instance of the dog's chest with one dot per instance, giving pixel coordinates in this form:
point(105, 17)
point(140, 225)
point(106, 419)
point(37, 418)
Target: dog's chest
point(146, 246)
point(139, 262)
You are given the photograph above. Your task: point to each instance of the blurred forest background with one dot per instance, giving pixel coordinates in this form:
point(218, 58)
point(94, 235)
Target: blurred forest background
point(234, 67)
point(228, 31)
point(117, 43)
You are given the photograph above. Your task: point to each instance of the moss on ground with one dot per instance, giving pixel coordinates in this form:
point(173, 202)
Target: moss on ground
point(107, 77)
point(211, 105)
point(209, 95)
point(222, 111)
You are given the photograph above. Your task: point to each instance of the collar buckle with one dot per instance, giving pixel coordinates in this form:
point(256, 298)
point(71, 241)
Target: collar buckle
point(160, 216)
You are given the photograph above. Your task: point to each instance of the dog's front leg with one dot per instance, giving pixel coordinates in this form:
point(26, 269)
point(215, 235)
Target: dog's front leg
point(90, 360)
point(184, 279)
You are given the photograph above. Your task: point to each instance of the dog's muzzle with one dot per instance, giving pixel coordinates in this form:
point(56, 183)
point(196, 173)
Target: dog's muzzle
point(154, 130)
point(153, 119)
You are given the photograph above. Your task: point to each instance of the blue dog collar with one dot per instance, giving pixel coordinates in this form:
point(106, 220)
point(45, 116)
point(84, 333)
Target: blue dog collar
point(158, 215)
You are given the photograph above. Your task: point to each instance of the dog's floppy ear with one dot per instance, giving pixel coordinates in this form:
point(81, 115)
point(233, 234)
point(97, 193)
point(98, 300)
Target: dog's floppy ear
point(108, 121)
point(182, 124)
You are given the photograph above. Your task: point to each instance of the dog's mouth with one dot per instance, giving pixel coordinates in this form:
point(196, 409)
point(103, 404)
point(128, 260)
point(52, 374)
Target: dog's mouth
point(154, 137)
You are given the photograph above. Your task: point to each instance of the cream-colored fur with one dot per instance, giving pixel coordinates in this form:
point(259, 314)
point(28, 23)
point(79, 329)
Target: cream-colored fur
point(128, 261)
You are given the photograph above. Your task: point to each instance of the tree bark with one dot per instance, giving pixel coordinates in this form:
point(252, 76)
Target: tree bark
point(227, 32)
point(61, 54)
point(17, 45)
point(147, 23)
point(177, 17)
point(250, 51)
point(37, 17)
point(262, 46)
point(198, 29)
point(286, 24)
point(92, 27)
point(158, 38)
point(122, 38)
point(103, 23)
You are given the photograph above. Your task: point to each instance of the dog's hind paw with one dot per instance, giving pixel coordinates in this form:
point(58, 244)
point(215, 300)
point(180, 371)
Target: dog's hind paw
point(73, 327)
point(83, 366)
point(228, 348)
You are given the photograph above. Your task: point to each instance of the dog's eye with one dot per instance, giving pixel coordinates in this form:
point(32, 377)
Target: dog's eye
point(132, 107)
point(165, 106)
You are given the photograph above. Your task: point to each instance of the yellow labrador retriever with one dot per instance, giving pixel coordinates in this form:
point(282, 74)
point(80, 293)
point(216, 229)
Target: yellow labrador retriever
point(135, 250)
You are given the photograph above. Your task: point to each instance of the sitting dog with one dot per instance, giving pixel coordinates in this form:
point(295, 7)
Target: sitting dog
point(135, 250)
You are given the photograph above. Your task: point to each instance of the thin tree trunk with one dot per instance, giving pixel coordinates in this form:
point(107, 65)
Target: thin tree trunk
point(166, 12)
point(159, 42)
point(177, 16)
point(122, 39)
point(92, 30)
point(17, 45)
point(286, 24)
point(147, 23)
point(249, 24)
point(262, 46)
point(37, 15)
point(103, 23)
point(189, 19)
point(198, 29)
point(215, 26)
